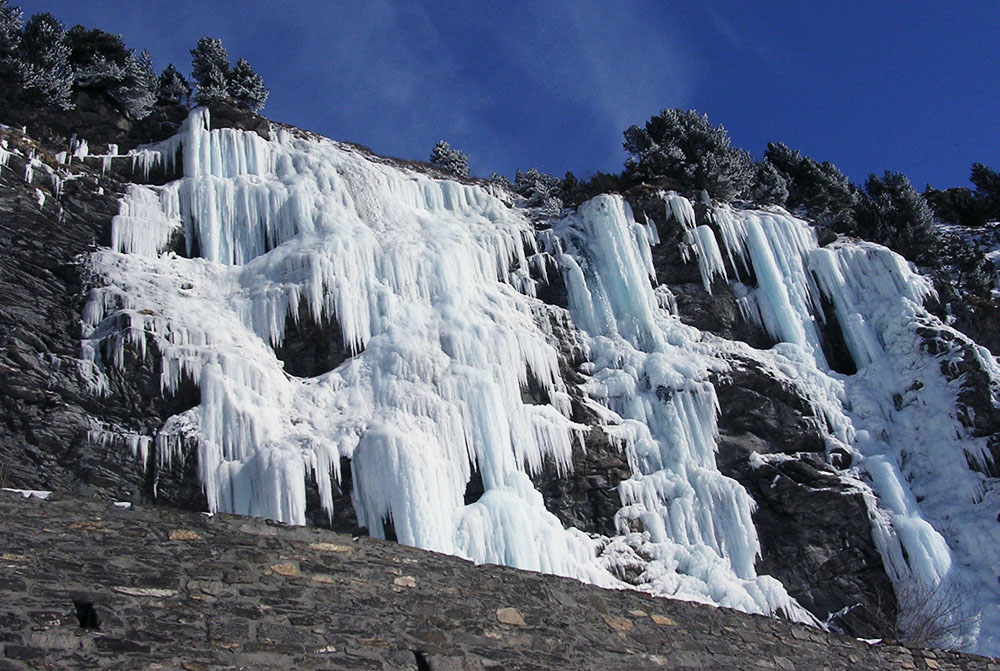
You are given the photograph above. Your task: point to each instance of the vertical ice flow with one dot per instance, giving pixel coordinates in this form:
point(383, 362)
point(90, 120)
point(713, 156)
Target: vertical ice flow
point(898, 412)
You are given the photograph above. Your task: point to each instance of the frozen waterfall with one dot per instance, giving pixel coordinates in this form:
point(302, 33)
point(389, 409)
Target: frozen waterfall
point(429, 282)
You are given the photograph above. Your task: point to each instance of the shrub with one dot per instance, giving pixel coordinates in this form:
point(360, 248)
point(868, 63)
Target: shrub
point(450, 160)
point(684, 149)
point(931, 616)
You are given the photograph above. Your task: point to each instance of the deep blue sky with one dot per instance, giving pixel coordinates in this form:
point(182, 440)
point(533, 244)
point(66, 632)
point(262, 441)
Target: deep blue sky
point(869, 86)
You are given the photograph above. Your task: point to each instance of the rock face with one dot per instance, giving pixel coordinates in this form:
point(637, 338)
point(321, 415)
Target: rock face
point(234, 592)
point(812, 518)
point(51, 424)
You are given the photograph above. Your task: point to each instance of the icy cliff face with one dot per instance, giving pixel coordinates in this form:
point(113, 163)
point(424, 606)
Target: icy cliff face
point(431, 284)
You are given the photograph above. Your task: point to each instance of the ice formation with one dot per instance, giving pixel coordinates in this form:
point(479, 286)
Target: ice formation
point(430, 284)
point(936, 517)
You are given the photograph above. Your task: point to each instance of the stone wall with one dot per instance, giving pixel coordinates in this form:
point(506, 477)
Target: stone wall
point(88, 585)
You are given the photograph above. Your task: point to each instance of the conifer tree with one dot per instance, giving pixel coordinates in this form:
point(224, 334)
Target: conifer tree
point(10, 37)
point(450, 160)
point(136, 94)
point(539, 189)
point(684, 149)
point(98, 58)
point(820, 189)
point(770, 188)
point(210, 69)
point(43, 61)
point(987, 183)
point(894, 214)
point(172, 87)
point(501, 180)
point(246, 87)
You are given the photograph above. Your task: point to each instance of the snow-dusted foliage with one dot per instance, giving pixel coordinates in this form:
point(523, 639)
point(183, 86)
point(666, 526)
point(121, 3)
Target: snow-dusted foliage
point(450, 160)
point(892, 213)
point(210, 70)
point(98, 58)
point(136, 94)
point(539, 189)
point(428, 283)
point(43, 61)
point(683, 148)
point(10, 34)
point(172, 87)
point(819, 190)
point(246, 87)
point(769, 187)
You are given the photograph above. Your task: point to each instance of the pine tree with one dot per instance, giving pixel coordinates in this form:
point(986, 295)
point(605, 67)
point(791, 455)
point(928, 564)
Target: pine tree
point(820, 189)
point(539, 189)
point(501, 180)
point(895, 215)
point(43, 61)
point(10, 37)
point(98, 58)
point(246, 87)
point(450, 160)
point(136, 94)
point(769, 188)
point(987, 183)
point(210, 69)
point(685, 150)
point(172, 87)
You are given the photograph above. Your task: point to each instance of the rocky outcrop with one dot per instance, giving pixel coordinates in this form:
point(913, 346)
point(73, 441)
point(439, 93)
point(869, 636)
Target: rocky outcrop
point(52, 425)
point(232, 592)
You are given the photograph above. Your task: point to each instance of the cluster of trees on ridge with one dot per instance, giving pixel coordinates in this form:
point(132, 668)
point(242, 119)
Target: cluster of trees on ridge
point(50, 66)
point(682, 150)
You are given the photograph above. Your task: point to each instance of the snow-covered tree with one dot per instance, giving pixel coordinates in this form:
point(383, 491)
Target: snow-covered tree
point(500, 180)
point(136, 94)
point(894, 214)
point(769, 187)
point(10, 35)
point(820, 189)
point(210, 69)
point(987, 183)
point(539, 189)
point(450, 160)
point(98, 58)
point(43, 61)
point(246, 87)
point(172, 88)
point(684, 149)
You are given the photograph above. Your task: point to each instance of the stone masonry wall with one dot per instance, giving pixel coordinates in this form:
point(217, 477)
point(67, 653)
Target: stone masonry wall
point(87, 585)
